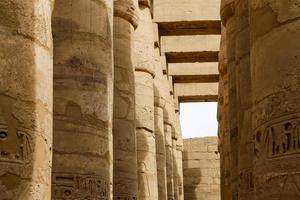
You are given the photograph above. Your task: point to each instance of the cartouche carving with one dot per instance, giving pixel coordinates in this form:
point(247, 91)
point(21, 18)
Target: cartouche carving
point(278, 138)
point(76, 186)
point(15, 147)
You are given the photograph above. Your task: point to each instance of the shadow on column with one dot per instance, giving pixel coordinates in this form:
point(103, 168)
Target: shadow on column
point(25, 99)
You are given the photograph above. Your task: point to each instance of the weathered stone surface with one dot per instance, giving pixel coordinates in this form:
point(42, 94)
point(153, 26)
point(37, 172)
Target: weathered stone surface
point(244, 101)
point(144, 93)
point(201, 173)
point(159, 104)
point(186, 10)
point(82, 142)
point(125, 183)
point(198, 43)
point(169, 160)
point(26, 71)
point(229, 20)
point(223, 129)
point(178, 169)
point(189, 92)
point(127, 10)
point(175, 170)
point(275, 61)
point(160, 154)
point(177, 69)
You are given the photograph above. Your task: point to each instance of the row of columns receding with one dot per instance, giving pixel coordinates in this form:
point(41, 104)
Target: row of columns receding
point(85, 108)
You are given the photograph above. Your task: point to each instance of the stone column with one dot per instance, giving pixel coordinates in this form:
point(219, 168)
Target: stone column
point(229, 21)
point(224, 134)
point(82, 160)
point(144, 94)
point(26, 82)
point(159, 104)
point(174, 149)
point(169, 160)
point(244, 100)
point(175, 170)
point(168, 129)
point(178, 156)
point(179, 150)
point(275, 70)
point(125, 183)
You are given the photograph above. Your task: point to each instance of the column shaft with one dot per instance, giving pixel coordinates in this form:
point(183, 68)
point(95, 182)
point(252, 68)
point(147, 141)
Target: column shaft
point(125, 183)
point(178, 157)
point(160, 154)
point(26, 82)
point(229, 20)
point(169, 112)
point(244, 97)
point(82, 161)
point(175, 169)
point(224, 134)
point(275, 70)
point(169, 160)
point(144, 94)
point(159, 103)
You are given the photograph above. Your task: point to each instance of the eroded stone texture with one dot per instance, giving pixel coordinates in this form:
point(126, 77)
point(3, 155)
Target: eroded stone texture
point(275, 70)
point(179, 149)
point(144, 93)
point(125, 183)
point(82, 161)
point(177, 175)
point(201, 169)
point(244, 101)
point(169, 128)
point(169, 160)
point(229, 20)
point(159, 103)
point(26, 66)
point(160, 154)
point(223, 129)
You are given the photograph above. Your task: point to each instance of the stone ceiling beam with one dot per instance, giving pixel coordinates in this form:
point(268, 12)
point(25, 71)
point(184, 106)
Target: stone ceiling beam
point(195, 78)
point(196, 43)
point(192, 57)
point(202, 27)
point(194, 72)
point(196, 92)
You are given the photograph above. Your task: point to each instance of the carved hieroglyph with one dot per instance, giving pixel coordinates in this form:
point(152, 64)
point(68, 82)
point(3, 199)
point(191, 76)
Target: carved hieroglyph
point(124, 136)
point(82, 160)
point(275, 69)
point(25, 99)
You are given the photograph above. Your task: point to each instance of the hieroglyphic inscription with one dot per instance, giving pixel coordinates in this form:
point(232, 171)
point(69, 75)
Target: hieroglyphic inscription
point(246, 180)
point(125, 197)
point(15, 145)
point(75, 186)
point(278, 137)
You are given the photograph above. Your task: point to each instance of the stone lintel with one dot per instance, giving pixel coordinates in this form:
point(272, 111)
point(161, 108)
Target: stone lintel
point(201, 27)
point(190, 57)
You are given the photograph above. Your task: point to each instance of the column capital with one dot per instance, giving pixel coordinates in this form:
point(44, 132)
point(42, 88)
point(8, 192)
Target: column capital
point(227, 10)
point(128, 10)
point(147, 3)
